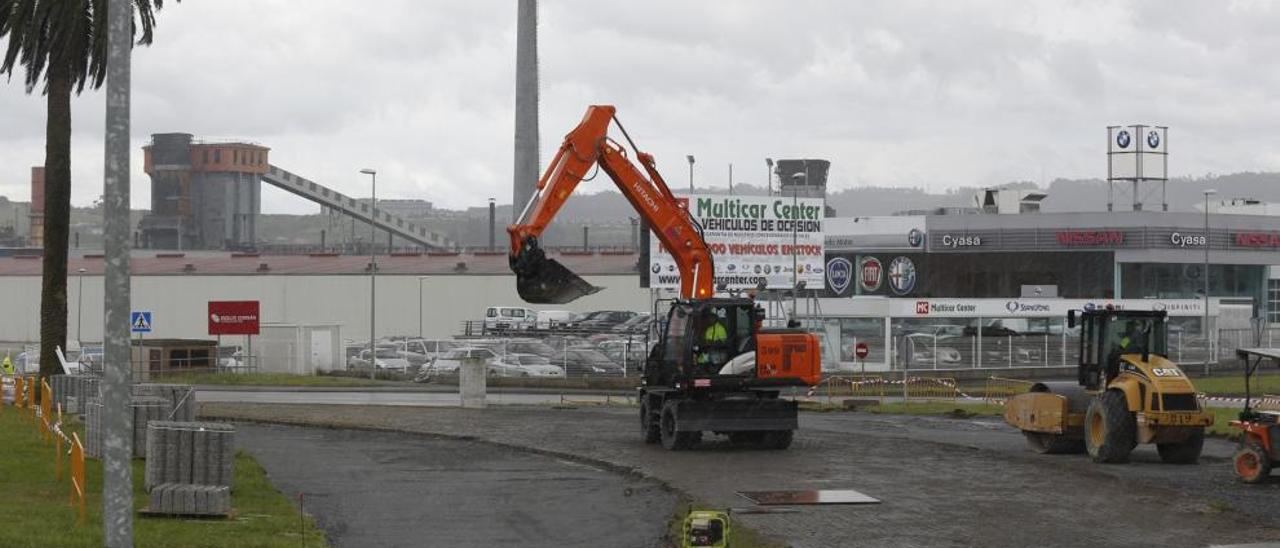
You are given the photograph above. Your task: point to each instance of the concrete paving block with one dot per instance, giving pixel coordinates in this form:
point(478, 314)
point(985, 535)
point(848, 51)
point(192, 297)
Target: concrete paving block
point(188, 505)
point(200, 457)
point(184, 455)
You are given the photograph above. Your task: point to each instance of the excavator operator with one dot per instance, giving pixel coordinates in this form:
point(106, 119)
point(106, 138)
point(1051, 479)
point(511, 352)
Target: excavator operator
point(715, 336)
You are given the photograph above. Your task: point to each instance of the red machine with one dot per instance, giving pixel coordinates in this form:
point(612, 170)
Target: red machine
point(687, 390)
point(1260, 432)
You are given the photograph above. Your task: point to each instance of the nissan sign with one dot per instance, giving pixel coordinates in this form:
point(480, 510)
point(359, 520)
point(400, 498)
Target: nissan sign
point(1179, 239)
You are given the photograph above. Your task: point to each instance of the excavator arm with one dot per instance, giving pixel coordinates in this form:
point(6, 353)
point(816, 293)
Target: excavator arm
point(542, 280)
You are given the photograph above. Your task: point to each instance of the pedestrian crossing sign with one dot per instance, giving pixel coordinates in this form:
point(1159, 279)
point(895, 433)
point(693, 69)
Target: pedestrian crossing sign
point(140, 321)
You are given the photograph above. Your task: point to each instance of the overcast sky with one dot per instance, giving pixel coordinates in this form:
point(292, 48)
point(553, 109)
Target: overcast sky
point(898, 93)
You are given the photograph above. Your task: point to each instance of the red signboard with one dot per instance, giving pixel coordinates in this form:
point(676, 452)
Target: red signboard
point(922, 307)
point(233, 317)
point(861, 350)
point(1257, 239)
point(1091, 237)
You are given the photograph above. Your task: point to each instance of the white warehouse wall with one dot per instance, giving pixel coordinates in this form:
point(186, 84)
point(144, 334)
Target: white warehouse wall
point(179, 303)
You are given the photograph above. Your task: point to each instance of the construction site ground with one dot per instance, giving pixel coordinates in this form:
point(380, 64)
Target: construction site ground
point(943, 481)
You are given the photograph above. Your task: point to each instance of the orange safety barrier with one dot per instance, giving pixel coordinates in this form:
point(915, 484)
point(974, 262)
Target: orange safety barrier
point(854, 386)
point(999, 389)
point(30, 398)
point(77, 476)
point(19, 390)
point(930, 388)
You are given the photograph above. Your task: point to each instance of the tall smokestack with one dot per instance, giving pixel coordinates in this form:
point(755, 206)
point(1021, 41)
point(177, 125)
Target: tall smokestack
point(526, 157)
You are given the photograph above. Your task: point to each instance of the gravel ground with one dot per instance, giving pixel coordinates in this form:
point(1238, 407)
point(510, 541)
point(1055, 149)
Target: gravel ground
point(387, 489)
point(943, 482)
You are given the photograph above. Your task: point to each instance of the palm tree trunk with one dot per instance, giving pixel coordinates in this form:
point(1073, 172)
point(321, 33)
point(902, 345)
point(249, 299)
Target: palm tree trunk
point(57, 219)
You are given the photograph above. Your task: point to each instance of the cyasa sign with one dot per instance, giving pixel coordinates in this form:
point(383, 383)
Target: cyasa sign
point(233, 317)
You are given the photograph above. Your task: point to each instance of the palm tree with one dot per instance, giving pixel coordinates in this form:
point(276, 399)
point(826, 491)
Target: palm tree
point(63, 43)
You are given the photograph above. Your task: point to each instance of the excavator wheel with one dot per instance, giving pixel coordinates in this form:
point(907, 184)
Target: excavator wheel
point(673, 439)
point(1185, 452)
point(649, 426)
point(1053, 444)
point(1110, 429)
point(1251, 463)
point(777, 439)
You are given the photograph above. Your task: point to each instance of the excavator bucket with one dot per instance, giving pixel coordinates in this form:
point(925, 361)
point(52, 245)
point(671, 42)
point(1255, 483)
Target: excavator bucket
point(541, 280)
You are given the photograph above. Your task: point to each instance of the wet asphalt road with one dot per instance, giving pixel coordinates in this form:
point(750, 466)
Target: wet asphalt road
point(394, 489)
point(943, 482)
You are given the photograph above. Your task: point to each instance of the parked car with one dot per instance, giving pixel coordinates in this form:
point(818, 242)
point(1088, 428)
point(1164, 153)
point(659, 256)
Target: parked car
point(535, 347)
point(925, 350)
point(588, 360)
point(410, 351)
point(387, 360)
point(524, 365)
point(638, 324)
point(605, 319)
point(449, 362)
point(621, 351)
point(502, 318)
point(551, 319)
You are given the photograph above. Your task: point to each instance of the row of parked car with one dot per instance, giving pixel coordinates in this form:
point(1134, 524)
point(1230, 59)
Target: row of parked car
point(516, 318)
point(550, 356)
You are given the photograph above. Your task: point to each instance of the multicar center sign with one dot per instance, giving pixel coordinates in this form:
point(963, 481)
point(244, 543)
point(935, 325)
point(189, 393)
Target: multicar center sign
point(752, 239)
point(1053, 308)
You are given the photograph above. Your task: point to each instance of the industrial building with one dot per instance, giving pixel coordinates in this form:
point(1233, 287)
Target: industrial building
point(204, 195)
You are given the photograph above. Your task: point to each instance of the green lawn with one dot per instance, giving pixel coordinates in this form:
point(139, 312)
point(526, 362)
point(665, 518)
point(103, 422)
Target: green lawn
point(1233, 385)
point(37, 512)
point(273, 379)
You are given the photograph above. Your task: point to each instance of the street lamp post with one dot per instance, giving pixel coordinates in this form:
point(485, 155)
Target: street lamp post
point(795, 272)
point(420, 278)
point(1208, 341)
point(768, 176)
point(373, 270)
point(79, 304)
point(690, 157)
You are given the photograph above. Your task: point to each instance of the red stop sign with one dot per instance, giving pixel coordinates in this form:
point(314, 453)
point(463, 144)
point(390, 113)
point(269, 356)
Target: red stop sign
point(861, 350)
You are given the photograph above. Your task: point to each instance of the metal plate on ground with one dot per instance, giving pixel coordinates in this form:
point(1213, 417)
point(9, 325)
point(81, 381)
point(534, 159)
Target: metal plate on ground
point(812, 496)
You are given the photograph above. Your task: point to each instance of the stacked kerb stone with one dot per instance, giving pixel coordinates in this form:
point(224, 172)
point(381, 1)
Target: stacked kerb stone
point(181, 397)
point(93, 428)
point(146, 409)
point(190, 467)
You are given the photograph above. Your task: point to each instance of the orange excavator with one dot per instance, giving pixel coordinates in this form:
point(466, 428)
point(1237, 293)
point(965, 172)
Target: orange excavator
point(714, 368)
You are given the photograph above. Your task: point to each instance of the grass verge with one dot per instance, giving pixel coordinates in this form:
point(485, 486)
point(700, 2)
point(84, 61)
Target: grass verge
point(39, 513)
point(1234, 385)
point(934, 408)
point(274, 379)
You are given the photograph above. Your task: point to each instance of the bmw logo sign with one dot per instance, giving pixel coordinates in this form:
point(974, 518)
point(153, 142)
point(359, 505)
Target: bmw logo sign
point(656, 268)
point(1153, 139)
point(915, 237)
point(902, 275)
point(1122, 139)
point(839, 274)
point(732, 267)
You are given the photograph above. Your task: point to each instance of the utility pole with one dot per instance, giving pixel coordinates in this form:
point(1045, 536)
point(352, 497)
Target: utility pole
point(1208, 340)
point(117, 462)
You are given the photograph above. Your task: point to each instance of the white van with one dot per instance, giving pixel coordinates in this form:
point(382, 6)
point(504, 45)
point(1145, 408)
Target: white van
point(548, 319)
point(509, 317)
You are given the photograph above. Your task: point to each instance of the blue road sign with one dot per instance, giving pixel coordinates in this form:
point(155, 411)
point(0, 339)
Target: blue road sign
point(140, 321)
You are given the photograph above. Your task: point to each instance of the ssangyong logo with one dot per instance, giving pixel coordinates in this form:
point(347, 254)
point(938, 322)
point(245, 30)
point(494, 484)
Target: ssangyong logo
point(922, 307)
point(839, 274)
point(902, 275)
point(1015, 307)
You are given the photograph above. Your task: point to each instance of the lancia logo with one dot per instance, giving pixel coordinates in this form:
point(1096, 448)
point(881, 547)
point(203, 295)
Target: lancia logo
point(839, 274)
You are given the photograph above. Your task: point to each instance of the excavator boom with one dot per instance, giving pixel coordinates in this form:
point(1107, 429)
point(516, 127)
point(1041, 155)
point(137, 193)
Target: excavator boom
point(543, 280)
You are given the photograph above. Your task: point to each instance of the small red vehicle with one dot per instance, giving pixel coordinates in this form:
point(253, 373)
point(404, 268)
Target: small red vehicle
point(1260, 429)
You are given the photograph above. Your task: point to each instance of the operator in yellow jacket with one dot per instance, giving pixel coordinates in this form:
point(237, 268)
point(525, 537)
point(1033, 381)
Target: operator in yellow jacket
point(7, 365)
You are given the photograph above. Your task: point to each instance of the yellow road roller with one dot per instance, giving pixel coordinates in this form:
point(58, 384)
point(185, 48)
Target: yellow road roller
point(1128, 392)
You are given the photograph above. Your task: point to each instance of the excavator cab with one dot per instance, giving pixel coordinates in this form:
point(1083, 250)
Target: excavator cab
point(701, 337)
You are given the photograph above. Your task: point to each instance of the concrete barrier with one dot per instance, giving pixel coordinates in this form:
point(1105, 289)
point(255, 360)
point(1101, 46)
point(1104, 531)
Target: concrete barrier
point(471, 383)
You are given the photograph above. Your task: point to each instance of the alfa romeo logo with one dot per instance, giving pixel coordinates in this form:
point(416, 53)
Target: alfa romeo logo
point(915, 237)
point(1153, 139)
point(839, 274)
point(902, 275)
point(1122, 139)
